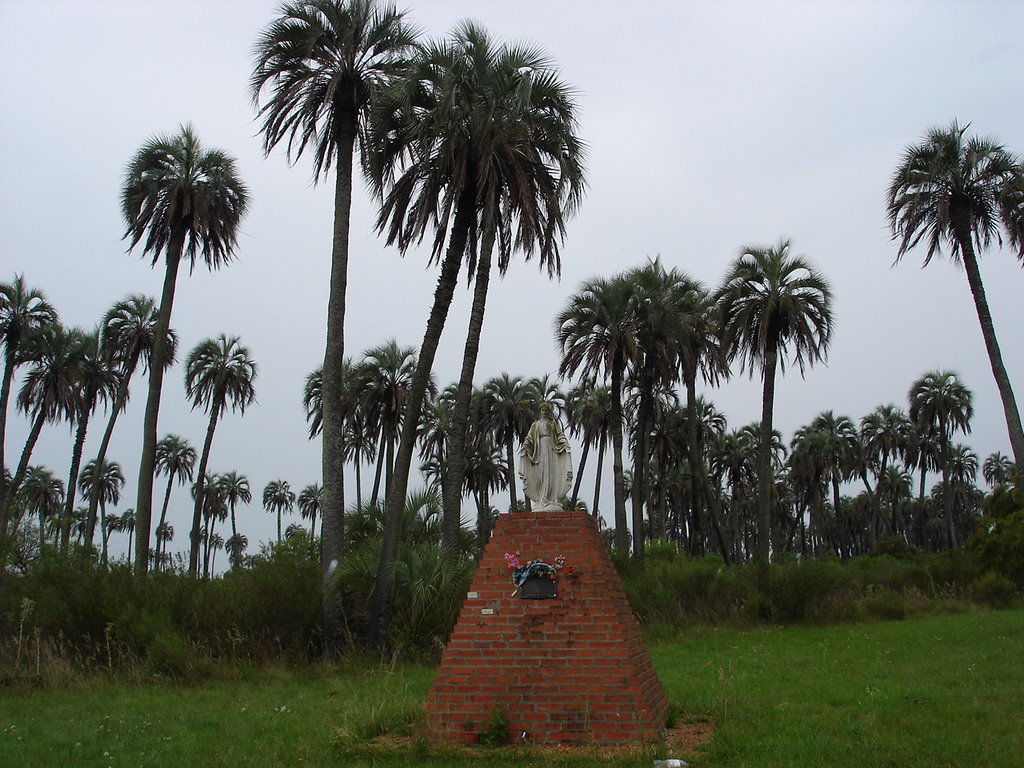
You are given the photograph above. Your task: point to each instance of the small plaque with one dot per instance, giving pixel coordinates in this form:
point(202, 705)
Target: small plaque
point(472, 595)
point(486, 611)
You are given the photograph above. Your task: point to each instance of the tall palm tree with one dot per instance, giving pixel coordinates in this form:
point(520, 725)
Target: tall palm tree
point(322, 64)
point(176, 458)
point(661, 305)
point(107, 491)
point(23, 310)
point(234, 489)
point(278, 497)
point(127, 340)
point(127, 523)
point(310, 503)
point(587, 410)
point(939, 405)
point(179, 200)
point(382, 382)
point(164, 534)
point(96, 381)
point(997, 469)
point(771, 303)
point(835, 455)
point(963, 191)
point(219, 374)
point(478, 144)
point(49, 388)
point(214, 510)
point(596, 331)
point(42, 494)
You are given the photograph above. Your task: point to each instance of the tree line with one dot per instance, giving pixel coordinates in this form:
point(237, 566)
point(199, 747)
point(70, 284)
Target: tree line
point(472, 146)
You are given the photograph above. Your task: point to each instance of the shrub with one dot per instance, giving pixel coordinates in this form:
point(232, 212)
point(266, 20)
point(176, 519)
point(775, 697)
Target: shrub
point(993, 589)
point(998, 545)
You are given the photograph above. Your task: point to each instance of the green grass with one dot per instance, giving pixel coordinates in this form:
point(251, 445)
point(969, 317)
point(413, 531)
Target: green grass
point(935, 691)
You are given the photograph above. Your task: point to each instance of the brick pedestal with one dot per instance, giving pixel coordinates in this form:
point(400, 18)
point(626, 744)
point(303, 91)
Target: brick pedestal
point(570, 669)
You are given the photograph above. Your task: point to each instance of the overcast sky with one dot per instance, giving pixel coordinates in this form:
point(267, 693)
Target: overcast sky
point(710, 126)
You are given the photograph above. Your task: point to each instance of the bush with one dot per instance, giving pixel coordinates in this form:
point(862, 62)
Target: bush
point(993, 589)
point(998, 545)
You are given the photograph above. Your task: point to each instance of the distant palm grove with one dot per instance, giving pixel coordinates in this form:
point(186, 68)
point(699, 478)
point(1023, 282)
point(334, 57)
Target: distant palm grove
point(471, 146)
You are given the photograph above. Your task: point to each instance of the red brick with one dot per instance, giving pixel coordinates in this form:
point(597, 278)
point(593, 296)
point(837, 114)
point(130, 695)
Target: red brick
point(572, 669)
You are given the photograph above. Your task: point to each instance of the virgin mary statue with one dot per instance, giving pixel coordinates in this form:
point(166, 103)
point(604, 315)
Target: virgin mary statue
point(545, 463)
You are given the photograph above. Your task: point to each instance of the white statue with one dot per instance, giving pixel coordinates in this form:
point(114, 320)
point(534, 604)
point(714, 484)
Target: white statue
point(545, 464)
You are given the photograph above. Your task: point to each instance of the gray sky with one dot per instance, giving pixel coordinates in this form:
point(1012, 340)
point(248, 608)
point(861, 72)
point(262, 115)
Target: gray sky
point(710, 126)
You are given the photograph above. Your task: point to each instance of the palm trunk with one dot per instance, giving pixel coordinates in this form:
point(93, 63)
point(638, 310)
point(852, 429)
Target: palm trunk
point(988, 332)
point(697, 476)
point(101, 454)
point(601, 448)
point(380, 469)
point(764, 468)
point(640, 459)
point(157, 364)
point(76, 463)
point(333, 433)
point(513, 503)
point(200, 500)
point(103, 531)
point(621, 532)
point(579, 473)
point(443, 293)
point(10, 363)
point(457, 435)
point(26, 454)
point(163, 516)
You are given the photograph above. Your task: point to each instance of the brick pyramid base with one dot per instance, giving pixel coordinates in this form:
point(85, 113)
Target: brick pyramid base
point(573, 669)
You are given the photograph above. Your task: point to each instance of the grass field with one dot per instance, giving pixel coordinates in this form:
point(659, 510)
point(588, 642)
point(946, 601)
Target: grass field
point(936, 691)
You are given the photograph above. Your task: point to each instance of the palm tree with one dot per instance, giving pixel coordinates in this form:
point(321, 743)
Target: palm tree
point(48, 391)
point(478, 144)
point(235, 547)
point(964, 191)
point(835, 455)
point(278, 497)
point(310, 503)
point(507, 418)
point(772, 302)
point(127, 339)
point(219, 374)
point(95, 381)
point(179, 200)
point(939, 405)
point(587, 410)
point(42, 494)
point(127, 523)
point(323, 62)
point(214, 510)
point(382, 382)
point(176, 458)
point(106, 491)
point(597, 334)
point(234, 488)
point(164, 534)
point(23, 310)
point(216, 542)
point(997, 470)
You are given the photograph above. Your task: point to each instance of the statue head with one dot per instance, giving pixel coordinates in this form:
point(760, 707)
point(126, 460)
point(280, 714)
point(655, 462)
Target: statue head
point(545, 411)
